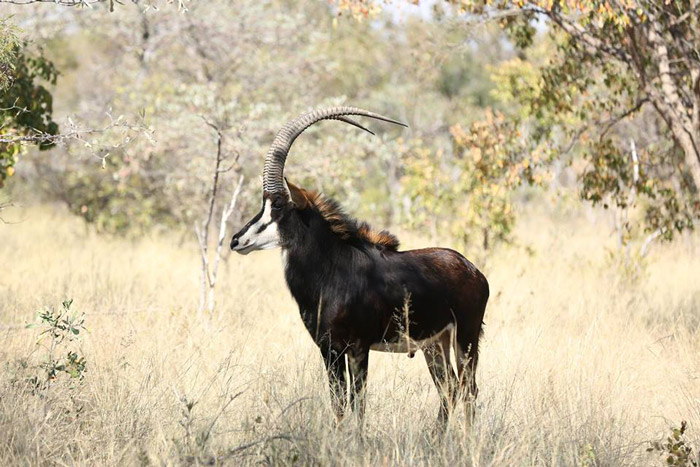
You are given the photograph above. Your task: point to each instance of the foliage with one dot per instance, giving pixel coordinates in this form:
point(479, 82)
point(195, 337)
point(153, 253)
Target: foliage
point(588, 90)
point(560, 99)
point(8, 43)
point(676, 449)
point(612, 72)
point(210, 75)
point(184, 83)
point(472, 189)
point(62, 329)
point(124, 198)
point(26, 105)
point(359, 9)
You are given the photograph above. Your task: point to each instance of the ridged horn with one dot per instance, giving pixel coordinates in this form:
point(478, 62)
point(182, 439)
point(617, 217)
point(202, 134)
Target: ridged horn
point(273, 172)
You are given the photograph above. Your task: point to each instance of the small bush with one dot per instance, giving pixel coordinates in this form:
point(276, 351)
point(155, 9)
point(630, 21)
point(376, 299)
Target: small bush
point(675, 448)
point(62, 329)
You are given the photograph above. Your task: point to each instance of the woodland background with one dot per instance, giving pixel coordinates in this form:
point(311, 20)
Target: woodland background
point(554, 143)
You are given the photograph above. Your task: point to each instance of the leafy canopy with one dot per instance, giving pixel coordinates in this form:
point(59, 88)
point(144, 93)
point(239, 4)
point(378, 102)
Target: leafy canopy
point(617, 95)
point(26, 105)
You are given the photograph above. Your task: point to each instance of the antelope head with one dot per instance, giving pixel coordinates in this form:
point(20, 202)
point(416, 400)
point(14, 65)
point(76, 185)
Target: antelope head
point(279, 199)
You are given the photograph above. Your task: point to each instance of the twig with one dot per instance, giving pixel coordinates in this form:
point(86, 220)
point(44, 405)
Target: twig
point(222, 225)
point(5, 205)
point(648, 241)
point(210, 269)
point(255, 443)
point(68, 3)
point(608, 124)
point(75, 133)
point(611, 122)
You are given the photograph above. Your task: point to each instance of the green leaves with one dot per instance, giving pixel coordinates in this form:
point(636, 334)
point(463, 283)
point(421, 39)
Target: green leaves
point(8, 45)
point(26, 105)
point(596, 91)
point(61, 329)
point(126, 197)
point(601, 74)
point(676, 448)
point(470, 191)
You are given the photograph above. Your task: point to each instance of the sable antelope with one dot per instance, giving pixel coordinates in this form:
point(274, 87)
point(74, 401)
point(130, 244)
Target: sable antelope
point(357, 292)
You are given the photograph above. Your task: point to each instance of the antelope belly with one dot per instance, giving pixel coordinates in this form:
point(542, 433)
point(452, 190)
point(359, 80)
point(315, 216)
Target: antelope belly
point(408, 345)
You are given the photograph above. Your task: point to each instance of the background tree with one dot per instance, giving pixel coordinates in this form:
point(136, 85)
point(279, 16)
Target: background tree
point(623, 71)
point(26, 105)
point(549, 105)
point(614, 72)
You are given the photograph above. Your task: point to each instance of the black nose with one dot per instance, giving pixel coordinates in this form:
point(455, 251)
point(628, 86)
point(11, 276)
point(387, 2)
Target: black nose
point(234, 242)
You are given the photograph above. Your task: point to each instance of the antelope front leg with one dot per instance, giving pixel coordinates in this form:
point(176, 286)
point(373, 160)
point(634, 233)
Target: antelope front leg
point(359, 363)
point(336, 368)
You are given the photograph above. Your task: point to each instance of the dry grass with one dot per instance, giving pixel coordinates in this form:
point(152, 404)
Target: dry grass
point(579, 365)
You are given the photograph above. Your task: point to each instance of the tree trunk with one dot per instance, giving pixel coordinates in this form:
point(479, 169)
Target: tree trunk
point(692, 154)
point(669, 104)
point(210, 298)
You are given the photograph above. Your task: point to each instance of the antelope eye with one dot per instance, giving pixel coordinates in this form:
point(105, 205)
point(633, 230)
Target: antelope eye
point(277, 204)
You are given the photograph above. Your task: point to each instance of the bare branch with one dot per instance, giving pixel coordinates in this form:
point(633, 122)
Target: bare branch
point(635, 174)
point(210, 270)
point(215, 181)
point(493, 15)
point(225, 215)
point(5, 205)
point(10, 204)
point(75, 133)
point(68, 3)
point(181, 4)
point(592, 43)
point(648, 241)
point(611, 122)
point(607, 125)
point(635, 161)
point(203, 250)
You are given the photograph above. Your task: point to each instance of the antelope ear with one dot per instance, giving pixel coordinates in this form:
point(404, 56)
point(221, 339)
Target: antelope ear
point(285, 184)
point(297, 195)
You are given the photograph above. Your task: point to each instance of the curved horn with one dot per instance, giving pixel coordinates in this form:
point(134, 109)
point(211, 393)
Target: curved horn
point(277, 154)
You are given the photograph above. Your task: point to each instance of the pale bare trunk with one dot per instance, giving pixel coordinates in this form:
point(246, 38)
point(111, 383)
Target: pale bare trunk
point(692, 154)
point(212, 274)
point(685, 127)
point(209, 270)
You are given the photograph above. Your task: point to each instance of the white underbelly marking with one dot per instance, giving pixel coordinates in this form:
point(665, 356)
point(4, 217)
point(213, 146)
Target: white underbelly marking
point(410, 346)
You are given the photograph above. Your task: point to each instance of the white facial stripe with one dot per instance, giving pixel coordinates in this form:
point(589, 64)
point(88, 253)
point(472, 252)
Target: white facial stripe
point(263, 234)
point(252, 231)
point(267, 213)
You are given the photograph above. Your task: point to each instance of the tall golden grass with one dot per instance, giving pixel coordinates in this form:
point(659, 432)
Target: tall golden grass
point(581, 364)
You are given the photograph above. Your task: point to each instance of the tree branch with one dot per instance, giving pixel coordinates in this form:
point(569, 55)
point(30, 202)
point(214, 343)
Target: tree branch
point(611, 122)
point(644, 250)
point(668, 87)
point(5, 205)
point(225, 215)
point(203, 249)
point(75, 133)
point(592, 43)
point(68, 3)
point(209, 271)
point(215, 181)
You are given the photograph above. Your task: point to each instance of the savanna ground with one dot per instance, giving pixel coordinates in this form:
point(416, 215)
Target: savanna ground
point(581, 364)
